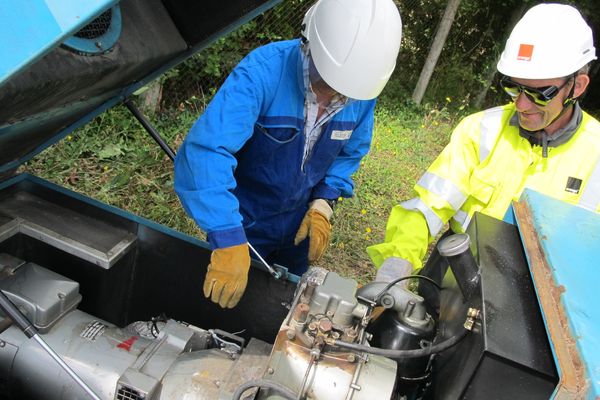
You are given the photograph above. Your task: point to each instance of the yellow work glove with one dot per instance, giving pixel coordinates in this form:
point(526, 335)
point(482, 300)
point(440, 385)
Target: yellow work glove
point(227, 275)
point(315, 224)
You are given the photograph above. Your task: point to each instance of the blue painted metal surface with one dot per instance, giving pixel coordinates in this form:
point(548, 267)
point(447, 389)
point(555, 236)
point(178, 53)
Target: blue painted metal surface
point(570, 239)
point(31, 28)
point(102, 43)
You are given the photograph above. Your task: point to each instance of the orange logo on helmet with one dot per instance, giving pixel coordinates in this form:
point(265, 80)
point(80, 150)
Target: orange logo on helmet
point(525, 52)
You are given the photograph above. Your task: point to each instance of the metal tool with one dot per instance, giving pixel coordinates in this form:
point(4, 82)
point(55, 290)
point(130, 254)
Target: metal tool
point(276, 274)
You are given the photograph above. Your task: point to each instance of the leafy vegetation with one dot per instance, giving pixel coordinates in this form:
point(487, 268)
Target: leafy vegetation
point(115, 161)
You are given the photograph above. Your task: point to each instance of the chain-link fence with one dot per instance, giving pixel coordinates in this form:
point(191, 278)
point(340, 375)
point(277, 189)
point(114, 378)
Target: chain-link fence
point(464, 75)
point(462, 70)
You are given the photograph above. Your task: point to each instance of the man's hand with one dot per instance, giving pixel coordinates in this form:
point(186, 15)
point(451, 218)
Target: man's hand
point(315, 224)
point(227, 275)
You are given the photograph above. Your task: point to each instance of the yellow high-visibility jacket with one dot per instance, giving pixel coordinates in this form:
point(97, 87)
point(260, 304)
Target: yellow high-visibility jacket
point(486, 166)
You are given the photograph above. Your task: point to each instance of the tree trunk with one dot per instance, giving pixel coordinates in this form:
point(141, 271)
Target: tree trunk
point(151, 97)
point(489, 78)
point(435, 50)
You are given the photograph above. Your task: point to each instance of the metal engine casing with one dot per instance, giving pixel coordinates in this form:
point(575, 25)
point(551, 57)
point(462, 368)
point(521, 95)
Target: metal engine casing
point(117, 363)
point(326, 307)
point(184, 361)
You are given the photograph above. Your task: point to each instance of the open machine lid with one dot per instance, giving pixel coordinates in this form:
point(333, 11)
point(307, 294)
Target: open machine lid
point(63, 62)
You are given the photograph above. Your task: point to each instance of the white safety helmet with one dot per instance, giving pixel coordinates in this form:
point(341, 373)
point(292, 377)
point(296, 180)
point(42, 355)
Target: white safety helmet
point(550, 41)
point(354, 44)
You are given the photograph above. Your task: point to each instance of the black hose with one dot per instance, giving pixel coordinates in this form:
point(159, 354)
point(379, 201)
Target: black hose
point(279, 389)
point(391, 353)
point(392, 283)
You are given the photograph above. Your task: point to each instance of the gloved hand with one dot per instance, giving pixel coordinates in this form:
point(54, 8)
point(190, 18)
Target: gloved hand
point(394, 268)
point(227, 275)
point(316, 225)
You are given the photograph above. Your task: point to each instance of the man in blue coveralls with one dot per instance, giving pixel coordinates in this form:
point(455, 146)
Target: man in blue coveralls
point(277, 145)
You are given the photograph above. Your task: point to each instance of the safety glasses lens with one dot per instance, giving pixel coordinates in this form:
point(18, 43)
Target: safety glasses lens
point(540, 96)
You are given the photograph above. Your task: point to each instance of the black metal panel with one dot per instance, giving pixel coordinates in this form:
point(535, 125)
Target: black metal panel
point(161, 273)
point(198, 20)
point(508, 355)
point(169, 277)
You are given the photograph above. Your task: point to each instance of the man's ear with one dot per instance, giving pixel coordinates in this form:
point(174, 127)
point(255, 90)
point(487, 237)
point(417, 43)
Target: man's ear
point(581, 83)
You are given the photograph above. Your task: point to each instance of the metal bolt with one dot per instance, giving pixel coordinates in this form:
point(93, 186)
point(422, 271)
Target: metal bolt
point(270, 371)
point(473, 313)
point(325, 325)
point(329, 314)
point(387, 301)
point(291, 334)
point(2, 343)
point(351, 357)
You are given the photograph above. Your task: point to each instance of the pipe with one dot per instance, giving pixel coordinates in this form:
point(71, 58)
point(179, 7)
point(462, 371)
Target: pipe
point(394, 354)
point(457, 252)
point(150, 129)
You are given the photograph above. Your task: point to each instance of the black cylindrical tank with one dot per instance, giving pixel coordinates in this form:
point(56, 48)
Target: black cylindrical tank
point(399, 332)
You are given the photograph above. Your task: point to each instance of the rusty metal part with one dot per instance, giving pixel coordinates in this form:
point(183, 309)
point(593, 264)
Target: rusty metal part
point(301, 312)
point(572, 384)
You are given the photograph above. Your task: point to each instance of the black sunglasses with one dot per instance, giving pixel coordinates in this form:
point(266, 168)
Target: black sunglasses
point(540, 96)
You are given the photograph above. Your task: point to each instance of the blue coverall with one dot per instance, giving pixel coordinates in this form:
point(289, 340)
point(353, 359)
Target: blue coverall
point(240, 173)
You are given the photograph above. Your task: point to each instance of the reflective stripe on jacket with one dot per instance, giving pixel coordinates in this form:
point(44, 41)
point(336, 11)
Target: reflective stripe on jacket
point(241, 163)
point(486, 166)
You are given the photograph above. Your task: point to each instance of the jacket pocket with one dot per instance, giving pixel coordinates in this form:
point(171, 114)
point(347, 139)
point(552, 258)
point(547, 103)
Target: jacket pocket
point(278, 134)
point(480, 187)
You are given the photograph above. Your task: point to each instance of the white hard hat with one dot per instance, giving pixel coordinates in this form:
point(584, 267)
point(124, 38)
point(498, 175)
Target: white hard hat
point(354, 44)
point(550, 41)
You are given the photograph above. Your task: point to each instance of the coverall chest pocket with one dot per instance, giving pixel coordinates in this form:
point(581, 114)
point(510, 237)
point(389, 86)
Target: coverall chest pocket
point(272, 143)
point(277, 134)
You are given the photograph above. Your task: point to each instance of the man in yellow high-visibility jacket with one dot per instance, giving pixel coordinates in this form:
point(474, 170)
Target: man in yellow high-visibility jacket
point(542, 141)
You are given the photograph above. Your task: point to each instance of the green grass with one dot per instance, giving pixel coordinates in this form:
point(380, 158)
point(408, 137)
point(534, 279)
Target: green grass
point(114, 160)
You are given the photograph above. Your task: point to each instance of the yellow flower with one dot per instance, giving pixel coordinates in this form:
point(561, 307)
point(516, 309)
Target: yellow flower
point(69, 137)
point(368, 230)
point(422, 125)
point(363, 211)
point(340, 198)
point(105, 168)
point(448, 99)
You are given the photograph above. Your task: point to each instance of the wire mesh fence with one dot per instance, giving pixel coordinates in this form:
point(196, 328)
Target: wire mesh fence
point(462, 70)
point(465, 73)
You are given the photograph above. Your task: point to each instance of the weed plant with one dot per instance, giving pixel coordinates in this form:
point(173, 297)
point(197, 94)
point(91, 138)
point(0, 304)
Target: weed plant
point(114, 160)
